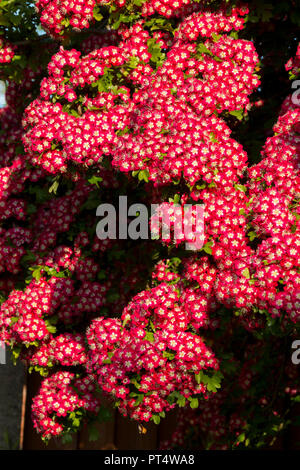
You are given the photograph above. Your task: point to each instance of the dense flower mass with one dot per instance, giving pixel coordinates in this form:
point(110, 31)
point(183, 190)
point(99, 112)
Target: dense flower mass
point(275, 215)
point(168, 117)
point(58, 16)
point(61, 397)
point(148, 104)
point(155, 347)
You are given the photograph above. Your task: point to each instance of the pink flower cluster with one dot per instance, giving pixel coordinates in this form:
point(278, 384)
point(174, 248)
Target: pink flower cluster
point(22, 313)
point(25, 318)
point(60, 397)
point(7, 52)
point(81, 139)
point(55, 15)
point(151, 350)
point(14, 175)
point(66, 350)
point(169, 8)
point(170, 115)
point(174, 132)
point(179, 224)
point(275, 215)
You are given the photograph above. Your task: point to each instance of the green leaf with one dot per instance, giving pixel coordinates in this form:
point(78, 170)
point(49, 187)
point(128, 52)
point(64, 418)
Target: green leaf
point(264, 11)
point(31, 209)
point(136, 384)
point(76, 422)
point(207, 248)
point(129, 18)
point(241, 187)
point(95, 180)
point(194, 403)
point(203, 49)
point(139, 400)
point(246, 273)
point(65, 22)
point(53, 188)
point(4, 21)
point(112, 297)
point(156, 419)
point(241, 437)
point(157, 56)
point(149, 336)
point(181, 401)
point(51, 328)
point(133, 62)
point(212, 382)
point(106, 361)
point(252, 235)
point(213, 137)
point(143, 175)
point(169, 355)
point(16, 351)
point(176, 198)
point(96, 13)
point(36, 273)
point(237, 113)
point(201, 186)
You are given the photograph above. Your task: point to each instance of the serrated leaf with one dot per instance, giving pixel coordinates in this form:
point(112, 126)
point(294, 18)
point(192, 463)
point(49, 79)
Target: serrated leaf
point(194, 403)
point(252, 235)
point(203, 49)
point(95, 180)
point(139, 400)
point(207, 248)
point(237, 113)
point(96, 13)
point(156, 419)
point(149, 336)
point(181, 401)
point(143, 175)
point(241, 187)
point(246, 273)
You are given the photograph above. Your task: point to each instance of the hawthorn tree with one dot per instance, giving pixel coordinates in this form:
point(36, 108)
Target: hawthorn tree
point(170, 102)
